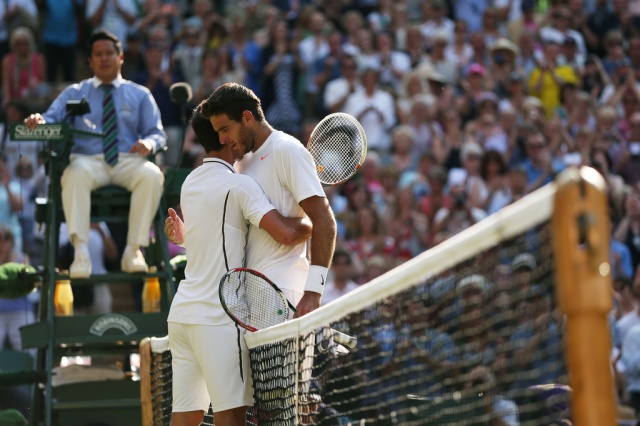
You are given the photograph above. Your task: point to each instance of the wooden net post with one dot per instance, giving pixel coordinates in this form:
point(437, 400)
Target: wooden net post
point(145, 382)
point(581, 235)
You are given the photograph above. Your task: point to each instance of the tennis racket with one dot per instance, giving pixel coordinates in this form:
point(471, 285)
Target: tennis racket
point(338, 146)
point(254, 302)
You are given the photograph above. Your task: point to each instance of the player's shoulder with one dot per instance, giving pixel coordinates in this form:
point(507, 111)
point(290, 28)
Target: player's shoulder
point(285, 141)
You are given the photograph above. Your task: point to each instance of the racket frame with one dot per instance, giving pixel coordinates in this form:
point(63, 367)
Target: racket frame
point(360, 129)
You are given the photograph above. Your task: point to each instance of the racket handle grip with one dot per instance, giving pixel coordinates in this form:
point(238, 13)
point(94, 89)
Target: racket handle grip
point(344, 339)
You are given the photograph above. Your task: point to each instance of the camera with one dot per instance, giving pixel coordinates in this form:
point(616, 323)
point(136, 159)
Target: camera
point(458, 200)
point(76, 107)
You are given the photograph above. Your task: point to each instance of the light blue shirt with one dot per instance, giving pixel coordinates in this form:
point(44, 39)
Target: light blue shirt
point(137, 114)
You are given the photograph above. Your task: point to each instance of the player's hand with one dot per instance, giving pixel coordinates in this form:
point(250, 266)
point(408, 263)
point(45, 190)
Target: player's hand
point(174, 227)
point(309, 302)
point(142, 148)
point(33, 120)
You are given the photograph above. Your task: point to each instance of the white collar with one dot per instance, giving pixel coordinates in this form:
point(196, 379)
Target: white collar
point(116, 83)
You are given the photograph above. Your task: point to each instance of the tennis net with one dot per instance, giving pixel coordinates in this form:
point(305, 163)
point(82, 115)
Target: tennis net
point(156, 380)
point(491, 324)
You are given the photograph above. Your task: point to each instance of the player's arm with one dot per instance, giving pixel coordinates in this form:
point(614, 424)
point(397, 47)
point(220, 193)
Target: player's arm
point(286, 230)
point(323, 243)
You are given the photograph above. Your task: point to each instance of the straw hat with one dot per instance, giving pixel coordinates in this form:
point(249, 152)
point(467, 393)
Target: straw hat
point(505, 45)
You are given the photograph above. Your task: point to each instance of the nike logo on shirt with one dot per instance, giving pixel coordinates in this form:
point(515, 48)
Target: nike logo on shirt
point(322, 276)
point(263, 157)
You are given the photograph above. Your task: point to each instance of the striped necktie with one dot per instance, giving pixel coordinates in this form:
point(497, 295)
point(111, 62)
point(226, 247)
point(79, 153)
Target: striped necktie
point(109, 127)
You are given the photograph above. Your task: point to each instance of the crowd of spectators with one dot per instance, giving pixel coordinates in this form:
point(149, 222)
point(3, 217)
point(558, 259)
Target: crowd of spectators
point(467, 105)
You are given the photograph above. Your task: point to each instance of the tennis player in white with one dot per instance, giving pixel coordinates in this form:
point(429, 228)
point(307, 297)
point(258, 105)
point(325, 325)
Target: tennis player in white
point(285, 170)
point(210, 360)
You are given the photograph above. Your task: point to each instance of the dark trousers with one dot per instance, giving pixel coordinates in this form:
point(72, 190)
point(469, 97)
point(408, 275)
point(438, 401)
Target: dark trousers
point(60, 56)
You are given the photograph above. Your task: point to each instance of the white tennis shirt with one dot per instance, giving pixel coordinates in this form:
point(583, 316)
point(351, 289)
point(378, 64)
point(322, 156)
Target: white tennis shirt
point(285, 170)
point(217, 205)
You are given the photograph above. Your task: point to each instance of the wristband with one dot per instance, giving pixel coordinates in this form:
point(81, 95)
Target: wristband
point(316, 279)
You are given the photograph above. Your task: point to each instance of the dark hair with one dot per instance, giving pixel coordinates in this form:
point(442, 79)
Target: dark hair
point(203, 129)
point(105, 35)
point(233, 99)
point(492, 155)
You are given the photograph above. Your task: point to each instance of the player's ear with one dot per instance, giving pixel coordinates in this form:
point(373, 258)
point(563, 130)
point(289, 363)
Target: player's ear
point(247, 117)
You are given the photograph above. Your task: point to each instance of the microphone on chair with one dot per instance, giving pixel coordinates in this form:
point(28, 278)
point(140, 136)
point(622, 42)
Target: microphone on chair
point(180, 93)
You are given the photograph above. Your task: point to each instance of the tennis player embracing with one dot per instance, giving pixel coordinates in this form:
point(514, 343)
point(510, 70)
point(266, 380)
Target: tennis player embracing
point(286, 172)
point(210, 359)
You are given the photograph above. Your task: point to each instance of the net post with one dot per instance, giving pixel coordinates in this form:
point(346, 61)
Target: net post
point(581, 232)
point(145, 382)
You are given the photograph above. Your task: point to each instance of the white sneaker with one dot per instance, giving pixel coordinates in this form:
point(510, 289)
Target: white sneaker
point(81, 265)
point(133, 261)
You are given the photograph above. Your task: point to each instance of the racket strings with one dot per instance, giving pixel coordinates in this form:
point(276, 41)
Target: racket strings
point(337, 147)
point(252, 301)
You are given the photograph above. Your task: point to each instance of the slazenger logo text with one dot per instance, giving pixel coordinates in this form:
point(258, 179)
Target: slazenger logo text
point(51, 131)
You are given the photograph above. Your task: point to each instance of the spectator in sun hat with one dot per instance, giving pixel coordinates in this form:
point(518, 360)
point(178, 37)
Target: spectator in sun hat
point(503, 62)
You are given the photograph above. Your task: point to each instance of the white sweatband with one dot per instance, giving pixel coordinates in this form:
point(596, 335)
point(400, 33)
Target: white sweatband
point(316, 279)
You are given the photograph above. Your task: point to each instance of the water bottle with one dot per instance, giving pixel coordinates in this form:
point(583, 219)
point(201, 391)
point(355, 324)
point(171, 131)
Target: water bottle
point(151, 293)
point(63, 298)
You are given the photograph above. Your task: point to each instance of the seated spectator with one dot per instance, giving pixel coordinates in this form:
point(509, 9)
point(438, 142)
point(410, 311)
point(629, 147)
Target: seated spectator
point(375, 110)
point(628, 229)
point(629, 166)
point(541, 167)
point(494, 173)
point(11, 203)
point(461, 215)
point(14, 313)
point(341, 281)
point(482, 382)
point(538, 344)
point(24, 69)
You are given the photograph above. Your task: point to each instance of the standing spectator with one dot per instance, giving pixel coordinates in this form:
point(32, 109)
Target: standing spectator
point(282, 67)
point(61, 35)
point(491, 27)
point(548, 76)
point(115, 16)
point(460, 51)
point(415, 46)
point(394, 64)
point(159, 82)
point(375, 110)
point(24, 69)
point(215, 71)
point(522, 19)
point(436, 20)
point(560, 28)
point(188, 56)
point(341, 282)
point(329, 67)
point(628, 230)
point(310, 49)
point(337, 91)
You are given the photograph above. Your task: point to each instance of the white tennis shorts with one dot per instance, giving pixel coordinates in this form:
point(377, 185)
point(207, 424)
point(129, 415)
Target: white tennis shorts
point(210, 364)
